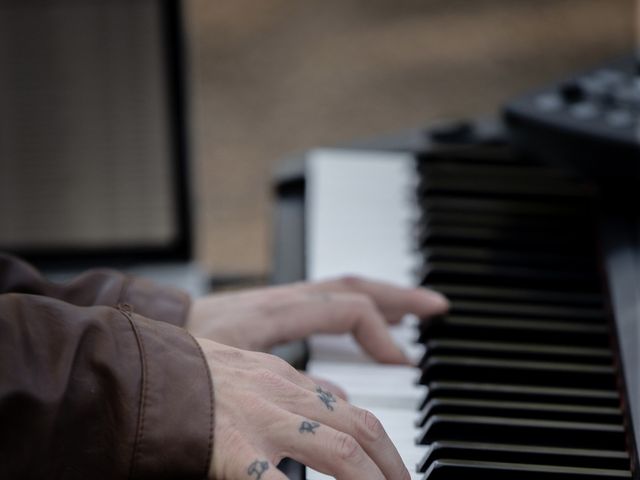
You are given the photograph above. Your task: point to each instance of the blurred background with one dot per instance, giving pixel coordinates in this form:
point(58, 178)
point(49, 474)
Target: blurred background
point(264, 80)
point(275, 77)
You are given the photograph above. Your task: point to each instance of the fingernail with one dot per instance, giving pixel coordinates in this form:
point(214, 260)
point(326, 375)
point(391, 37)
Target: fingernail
point(437, 299)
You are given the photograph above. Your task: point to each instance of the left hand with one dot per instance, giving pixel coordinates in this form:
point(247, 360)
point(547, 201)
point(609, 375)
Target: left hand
point(265, 410)
point(262, 318)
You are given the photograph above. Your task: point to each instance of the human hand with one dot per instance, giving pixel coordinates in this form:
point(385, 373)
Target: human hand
point(262, 318)
point(265, 411)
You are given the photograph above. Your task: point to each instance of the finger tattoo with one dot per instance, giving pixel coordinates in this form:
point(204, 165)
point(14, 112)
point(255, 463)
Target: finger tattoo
point(310, 427)
point(258, 467)
point(326, 397)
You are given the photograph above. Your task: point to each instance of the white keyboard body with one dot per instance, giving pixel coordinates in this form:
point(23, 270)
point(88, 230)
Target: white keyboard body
point(360, 212)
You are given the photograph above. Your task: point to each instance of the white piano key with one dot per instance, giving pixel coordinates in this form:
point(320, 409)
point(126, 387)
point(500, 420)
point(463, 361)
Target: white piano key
point(313, 475)
point(396, 422)
point(367, 384)
point(360, 212)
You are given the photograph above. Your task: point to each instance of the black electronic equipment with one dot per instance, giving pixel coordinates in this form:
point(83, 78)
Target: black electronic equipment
point(590, 121)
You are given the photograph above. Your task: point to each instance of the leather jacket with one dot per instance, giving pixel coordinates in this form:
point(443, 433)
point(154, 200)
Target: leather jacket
point(98, 380)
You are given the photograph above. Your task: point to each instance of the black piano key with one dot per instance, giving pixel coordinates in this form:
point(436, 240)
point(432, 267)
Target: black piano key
point(495, 152)
point(512, 240)
point(524, 356)
point(458, 291)
point(517, 351)
point(514, 174)
point(519, 207)
point(504, 257)
point(515, 330)
point(490, 219)
point(527, 454)
point(498, 309)
point(468, 158)
point(541, 241)
point(541, 190)
point(500, 408)
point(456, 469)
point(499, 275)
point(518, 372)
point(553, 433)
point(432, 217)
point(520, 393)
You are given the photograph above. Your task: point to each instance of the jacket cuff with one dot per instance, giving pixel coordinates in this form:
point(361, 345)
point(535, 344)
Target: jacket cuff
point(99, 287)
point(175, 424)
point(157, 302)
point(112, 288)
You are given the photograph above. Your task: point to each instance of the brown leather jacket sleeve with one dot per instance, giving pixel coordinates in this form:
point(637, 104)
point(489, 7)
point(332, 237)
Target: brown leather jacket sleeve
point(98, 287)
point(98, 392)
point(90, 387)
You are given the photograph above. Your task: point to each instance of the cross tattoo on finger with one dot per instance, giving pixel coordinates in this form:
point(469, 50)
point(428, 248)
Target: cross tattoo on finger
point(258, 467)
point(307, 426)
point(326, 397)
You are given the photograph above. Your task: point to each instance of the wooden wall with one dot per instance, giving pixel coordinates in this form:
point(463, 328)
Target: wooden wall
point(275, 77)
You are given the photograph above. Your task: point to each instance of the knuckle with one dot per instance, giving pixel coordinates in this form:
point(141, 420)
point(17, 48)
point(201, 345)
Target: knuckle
point(290, 373)
point(269, 378)
point(279, 365)
point(364, 310)
point(263, 358)
point(369, 426)
point(351, 282)
point(347, 448)
point(278, 362)
point(252, 402)
point(363, 305)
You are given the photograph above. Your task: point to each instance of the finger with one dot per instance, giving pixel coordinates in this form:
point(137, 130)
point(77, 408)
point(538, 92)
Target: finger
point(342, 313)
point(324, 407)
point(360, 424)
point(251, 464)
point(394, 301)
point(328, 385)
point(326, 449)
point(370, 330)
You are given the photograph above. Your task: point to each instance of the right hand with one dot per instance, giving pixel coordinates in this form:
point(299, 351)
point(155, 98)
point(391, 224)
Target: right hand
point(265, 411)
point(261, 318)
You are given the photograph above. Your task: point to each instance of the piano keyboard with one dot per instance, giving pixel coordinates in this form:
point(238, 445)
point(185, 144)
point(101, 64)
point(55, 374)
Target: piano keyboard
point(518, 380)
